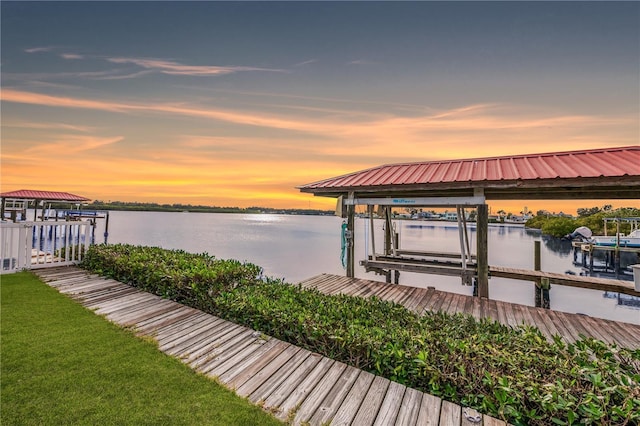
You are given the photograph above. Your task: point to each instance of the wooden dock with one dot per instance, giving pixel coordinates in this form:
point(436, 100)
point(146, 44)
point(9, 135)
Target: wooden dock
point(549, 322)
point(294, 384)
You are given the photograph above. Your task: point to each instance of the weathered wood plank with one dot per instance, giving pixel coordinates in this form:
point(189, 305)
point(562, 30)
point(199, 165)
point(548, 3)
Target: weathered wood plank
point(210, 351)
point(369, 408)
point(118, 315)
point(120, 303)
point(420, 307)
point(596, 329)
point(567, 332)
point(231, 356)
point(242, 358)
point(593, 283)
point(409, 408)
point(491, 421)
point(332, 401)
point(429, 413)
point(388, 412)
point(302, 388)
point(156, 324)
point(627, 334)
point(351, 404)
point(189, 336)
point(492, 312)
point(176, 330)
point(253, 364)
point(321, 390)
point(571, 321)
point(274, 367)
point(297, 376)
point(89, 301)
point(450, 414)
point(144, 306)
point(322, 282)
point(310, 282)
point(416, 298)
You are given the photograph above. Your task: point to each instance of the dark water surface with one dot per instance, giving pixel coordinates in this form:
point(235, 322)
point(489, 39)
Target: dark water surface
point(299, 247)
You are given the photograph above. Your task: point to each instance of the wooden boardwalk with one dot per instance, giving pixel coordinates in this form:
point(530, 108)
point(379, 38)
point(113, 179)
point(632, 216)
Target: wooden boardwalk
point(569, 326)
point(296, 385)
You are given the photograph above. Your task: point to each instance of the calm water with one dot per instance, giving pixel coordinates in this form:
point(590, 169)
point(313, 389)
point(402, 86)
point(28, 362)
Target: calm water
point(299, 247)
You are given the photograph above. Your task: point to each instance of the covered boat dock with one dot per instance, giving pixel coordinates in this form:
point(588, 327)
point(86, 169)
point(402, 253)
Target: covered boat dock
point(17, 202)
point(598, 174)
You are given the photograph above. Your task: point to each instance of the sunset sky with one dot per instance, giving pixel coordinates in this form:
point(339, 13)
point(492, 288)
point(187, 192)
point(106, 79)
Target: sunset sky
point(236, 104)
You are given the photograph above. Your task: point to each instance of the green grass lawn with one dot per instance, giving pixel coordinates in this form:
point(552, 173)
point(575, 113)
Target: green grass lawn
point(62, 364)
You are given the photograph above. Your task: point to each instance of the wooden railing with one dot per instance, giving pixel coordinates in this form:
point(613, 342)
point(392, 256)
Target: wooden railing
point(32, 245)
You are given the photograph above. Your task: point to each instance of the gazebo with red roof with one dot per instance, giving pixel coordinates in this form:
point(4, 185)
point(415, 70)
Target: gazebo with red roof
point(607, 173)
point(18, 200)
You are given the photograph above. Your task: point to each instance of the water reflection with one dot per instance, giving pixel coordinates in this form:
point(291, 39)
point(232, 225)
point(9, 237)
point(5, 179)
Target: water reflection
point(562, 248)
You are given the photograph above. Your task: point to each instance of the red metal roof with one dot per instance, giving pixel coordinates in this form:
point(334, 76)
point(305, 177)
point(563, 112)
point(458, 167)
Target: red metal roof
point(43, 195)
point(606, 162)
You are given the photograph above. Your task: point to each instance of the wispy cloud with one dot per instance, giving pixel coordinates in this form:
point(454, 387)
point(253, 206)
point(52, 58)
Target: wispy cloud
point(71, 56)
point(310, 61)
point(47, 126)
point(10, 95)
point(72, 144)
point(176, 68)
point(40, 49)
point(95, 75)
point(360, 62)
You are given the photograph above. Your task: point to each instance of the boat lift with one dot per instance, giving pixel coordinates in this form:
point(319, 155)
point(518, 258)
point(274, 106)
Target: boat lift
point(394, 259)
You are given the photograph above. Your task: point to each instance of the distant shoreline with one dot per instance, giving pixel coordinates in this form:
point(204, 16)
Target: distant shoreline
point(178, 208)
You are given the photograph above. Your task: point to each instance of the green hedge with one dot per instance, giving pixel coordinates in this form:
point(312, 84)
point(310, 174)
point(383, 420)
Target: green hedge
point(192, 279)
point(514, 374)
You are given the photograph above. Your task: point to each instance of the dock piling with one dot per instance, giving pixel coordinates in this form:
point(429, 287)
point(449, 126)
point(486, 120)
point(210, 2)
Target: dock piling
point(536, 267)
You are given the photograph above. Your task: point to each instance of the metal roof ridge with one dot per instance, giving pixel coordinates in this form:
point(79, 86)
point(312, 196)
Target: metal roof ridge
point(542, 154)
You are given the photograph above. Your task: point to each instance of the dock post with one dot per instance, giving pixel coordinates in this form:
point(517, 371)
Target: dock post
point(616, 262)
point(106, 228)
point(546, 298)
point(350, 243)
point(387, 239)
point(396, 273)
point(482, 229)
point(537, 267)
point(591, 263)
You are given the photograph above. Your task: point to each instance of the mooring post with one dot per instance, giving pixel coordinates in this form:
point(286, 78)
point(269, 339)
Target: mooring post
point(546, 298)
point(396, 273)
point(482, 229)
point(350, 244)
point(537, 267)
point(387, 240)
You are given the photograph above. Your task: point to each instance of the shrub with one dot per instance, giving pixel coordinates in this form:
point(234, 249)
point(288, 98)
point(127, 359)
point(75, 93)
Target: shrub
point(513, 374)
point(188, 278)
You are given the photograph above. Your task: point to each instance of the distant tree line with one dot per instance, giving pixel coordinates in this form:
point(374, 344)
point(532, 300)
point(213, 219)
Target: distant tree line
point(592, 218)
point(177, 207)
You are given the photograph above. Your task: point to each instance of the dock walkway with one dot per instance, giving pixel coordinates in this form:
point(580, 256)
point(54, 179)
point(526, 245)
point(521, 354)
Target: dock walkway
point(296, 385)
point(549, 322)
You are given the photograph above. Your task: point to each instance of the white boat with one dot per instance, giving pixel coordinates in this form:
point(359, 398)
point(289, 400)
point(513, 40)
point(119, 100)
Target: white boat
point(631, 240)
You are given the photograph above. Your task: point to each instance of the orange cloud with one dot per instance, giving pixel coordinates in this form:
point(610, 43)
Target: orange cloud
point(258, 158)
